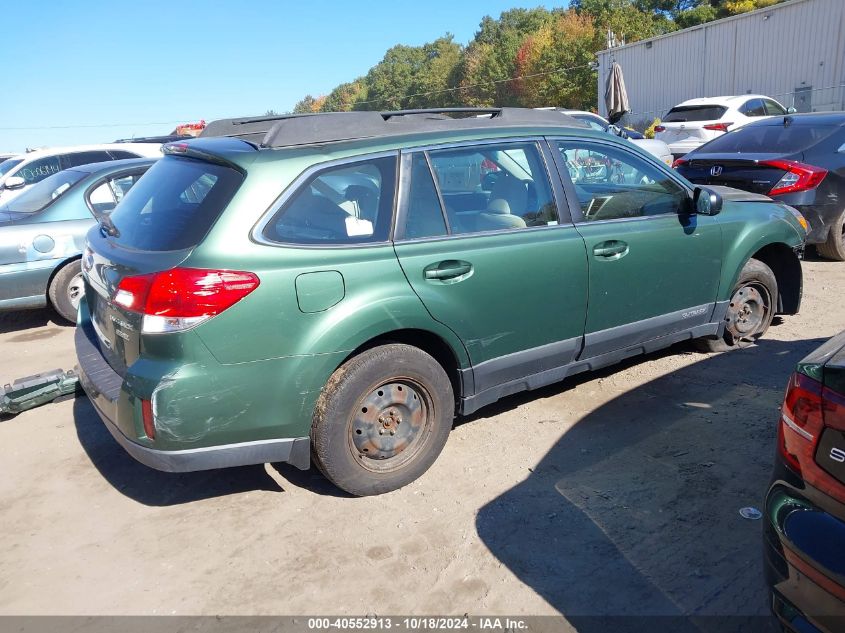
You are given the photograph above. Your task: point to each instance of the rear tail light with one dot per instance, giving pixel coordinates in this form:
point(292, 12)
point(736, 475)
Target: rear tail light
point(180, 298)
point(798, 176)
point(801, 421)
point(718, 127)
point(659, 128)
point(678, 162)
point(808, 408)
point(147, 418)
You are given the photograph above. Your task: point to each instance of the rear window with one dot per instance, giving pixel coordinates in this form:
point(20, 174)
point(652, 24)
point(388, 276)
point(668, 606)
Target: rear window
point(680, 114)
point(769, 139)
point(45, 192)
point(174, 204)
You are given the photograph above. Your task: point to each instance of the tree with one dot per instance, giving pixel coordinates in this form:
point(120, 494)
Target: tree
point(345, 97)
point(553, 65)
point(309, 104)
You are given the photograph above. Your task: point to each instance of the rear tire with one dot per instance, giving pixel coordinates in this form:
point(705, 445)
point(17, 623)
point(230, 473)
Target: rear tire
point(750, 311)
point(834, 247)
point(66, 289)
point(382, 419)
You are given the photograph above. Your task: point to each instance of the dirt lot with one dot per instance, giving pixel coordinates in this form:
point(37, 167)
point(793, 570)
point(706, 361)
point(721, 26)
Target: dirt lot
point(614, 493)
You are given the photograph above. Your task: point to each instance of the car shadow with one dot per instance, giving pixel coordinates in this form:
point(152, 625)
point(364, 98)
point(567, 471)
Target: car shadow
point(633, 513)
point(152, 487)
point(17, 320)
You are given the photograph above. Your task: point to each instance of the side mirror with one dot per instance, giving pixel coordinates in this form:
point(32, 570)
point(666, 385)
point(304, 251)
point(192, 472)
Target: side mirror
point(14, 182)
point(791, 110)
point(706, 202)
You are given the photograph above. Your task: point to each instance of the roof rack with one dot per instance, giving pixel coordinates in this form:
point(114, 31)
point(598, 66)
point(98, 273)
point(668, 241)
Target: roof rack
point(290, 130)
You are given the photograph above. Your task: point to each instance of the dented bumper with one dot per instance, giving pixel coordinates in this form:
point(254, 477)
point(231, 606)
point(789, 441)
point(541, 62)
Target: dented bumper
point(191, 439)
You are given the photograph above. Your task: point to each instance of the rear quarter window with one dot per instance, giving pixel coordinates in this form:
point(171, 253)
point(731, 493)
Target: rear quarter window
point(347, 203)
point(174, 204)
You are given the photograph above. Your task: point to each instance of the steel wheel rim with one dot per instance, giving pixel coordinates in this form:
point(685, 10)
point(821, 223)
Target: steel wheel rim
point(390, 424)
point(748, 311)
point(75, 290)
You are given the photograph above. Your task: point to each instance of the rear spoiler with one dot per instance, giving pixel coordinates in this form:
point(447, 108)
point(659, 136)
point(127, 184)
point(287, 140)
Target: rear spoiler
point(197, 148)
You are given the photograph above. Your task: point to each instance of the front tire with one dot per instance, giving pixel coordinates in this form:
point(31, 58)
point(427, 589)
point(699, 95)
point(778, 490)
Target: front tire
point(750, 311)
point(382, 419)
point(66, 290)
point(834, 247)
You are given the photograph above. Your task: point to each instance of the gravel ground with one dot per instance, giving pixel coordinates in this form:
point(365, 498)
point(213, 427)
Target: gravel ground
point(612, 493)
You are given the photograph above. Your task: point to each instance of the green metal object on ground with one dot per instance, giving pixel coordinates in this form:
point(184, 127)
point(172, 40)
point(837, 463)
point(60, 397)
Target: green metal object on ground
point(33, 391)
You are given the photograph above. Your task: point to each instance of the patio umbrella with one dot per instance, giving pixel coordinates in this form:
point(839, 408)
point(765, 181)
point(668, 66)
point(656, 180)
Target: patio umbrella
point(615, 95)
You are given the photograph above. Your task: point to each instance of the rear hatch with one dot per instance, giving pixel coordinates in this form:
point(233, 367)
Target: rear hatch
point(684, 123)
point(153, 229)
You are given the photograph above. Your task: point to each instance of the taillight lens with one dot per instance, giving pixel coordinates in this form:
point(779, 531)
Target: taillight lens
point(181, 298)
point(659, 128)
point(801, 421)
point(678, 162)
point(148, 419)
point(798, 176)
point(718, 127)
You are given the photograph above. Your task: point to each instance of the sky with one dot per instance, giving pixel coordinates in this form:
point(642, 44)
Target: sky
point(90, 71)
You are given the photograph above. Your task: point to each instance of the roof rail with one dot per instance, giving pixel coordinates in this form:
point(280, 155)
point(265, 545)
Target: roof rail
point(312, 129)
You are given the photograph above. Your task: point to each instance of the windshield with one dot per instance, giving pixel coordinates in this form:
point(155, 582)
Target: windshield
point(8, 164)
point(45, 192)
point(767, 139)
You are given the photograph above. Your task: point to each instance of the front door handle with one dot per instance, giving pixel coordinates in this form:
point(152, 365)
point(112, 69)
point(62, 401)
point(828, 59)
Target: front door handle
point(611, 249)
point(448, 269)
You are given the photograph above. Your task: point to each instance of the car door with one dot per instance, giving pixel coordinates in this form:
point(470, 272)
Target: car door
point(653, 267)
point(481, 241)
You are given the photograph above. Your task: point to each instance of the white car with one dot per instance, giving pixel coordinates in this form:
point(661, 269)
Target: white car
point(694, 122)
point(19, 173)
point(652, 146)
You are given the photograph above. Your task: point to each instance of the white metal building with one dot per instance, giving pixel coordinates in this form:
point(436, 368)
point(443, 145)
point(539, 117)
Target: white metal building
point(794, 52)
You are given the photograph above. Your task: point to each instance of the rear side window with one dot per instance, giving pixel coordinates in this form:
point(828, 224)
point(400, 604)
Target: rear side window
point(351, 203)
point(681, 114)
point(174, 205)
point(86, 158)
point(766, 139)
point(754, 107)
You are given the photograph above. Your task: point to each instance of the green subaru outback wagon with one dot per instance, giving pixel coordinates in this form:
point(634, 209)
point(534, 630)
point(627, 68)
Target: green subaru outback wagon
point(337, 287)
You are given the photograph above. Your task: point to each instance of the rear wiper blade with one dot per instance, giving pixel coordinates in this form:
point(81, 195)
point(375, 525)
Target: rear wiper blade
point(107, 227)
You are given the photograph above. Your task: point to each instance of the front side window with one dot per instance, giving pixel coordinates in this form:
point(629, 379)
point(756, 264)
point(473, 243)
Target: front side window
point(351, 203)
point(38, 170)
point(611, 183)
point(482, 188)
point(773, 108)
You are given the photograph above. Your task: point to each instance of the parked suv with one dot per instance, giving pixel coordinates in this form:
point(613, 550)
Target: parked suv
point(696, 121)
point(337, 287)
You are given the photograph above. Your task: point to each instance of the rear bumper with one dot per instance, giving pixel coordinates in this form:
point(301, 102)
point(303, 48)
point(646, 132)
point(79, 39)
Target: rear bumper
point(806, 595)
point(107, 392)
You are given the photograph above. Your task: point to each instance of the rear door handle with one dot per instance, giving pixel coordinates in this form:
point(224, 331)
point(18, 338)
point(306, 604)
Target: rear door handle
point(448, 269)
point(611, 249)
